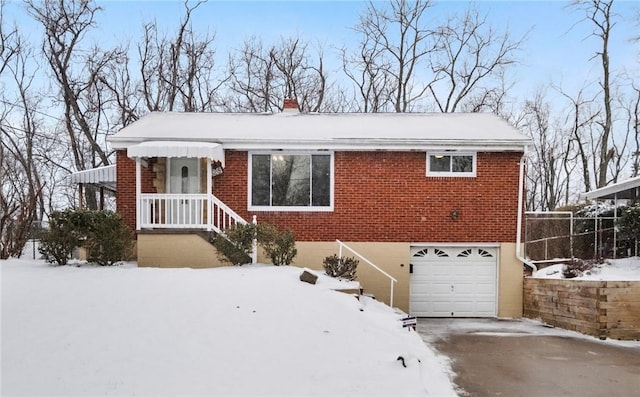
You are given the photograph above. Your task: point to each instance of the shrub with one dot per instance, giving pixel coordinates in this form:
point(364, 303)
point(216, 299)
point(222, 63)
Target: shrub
point(103, 233)
point(279, 246)
point(235, 244)
point(342, 267)
point(577, 267)
point(109, 240)
point(629, 222)
point(66, 231)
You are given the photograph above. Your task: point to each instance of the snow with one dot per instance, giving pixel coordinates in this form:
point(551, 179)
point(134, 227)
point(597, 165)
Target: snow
point(627, 269)
point(250, 330)
point(247, 131)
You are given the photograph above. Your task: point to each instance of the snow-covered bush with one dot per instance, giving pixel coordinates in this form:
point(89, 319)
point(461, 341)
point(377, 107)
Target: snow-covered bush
point(280, 246)
point(342, 267)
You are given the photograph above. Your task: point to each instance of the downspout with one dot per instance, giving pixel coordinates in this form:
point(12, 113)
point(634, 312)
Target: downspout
point(519, 257)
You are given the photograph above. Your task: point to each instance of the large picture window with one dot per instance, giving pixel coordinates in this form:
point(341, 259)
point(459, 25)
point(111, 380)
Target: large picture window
point(291, 181)
point(451, 164)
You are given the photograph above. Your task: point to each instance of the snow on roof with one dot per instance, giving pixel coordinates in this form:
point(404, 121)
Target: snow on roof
point(355, 131)
point(628, 189)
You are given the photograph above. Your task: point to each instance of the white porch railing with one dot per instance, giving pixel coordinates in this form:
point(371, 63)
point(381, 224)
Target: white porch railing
point(185, 211)
point(367, 261)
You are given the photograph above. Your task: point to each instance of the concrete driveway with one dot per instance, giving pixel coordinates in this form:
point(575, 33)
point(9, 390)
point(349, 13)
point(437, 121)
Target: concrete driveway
point(492, 357)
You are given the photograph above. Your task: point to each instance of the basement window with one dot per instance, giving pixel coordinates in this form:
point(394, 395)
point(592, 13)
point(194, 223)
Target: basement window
point(451, 164)
point(281, 181)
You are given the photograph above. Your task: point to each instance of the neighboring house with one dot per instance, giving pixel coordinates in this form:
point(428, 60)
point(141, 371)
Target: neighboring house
point(432, 199)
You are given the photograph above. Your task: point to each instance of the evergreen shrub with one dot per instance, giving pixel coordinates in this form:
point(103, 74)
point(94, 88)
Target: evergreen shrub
point(342, 267)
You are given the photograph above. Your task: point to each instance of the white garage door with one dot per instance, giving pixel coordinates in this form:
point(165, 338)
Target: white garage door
point(453, 282)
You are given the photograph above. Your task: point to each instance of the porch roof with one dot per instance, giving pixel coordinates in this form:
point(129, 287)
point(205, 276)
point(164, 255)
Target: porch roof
point(331, 131)
point(628, 189)
point(101, 176)
point(168, 148)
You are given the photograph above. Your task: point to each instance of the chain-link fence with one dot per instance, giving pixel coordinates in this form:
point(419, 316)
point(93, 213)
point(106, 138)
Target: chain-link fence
point(562, 235)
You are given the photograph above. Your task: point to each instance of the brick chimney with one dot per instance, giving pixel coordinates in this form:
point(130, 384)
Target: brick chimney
point(290, 105)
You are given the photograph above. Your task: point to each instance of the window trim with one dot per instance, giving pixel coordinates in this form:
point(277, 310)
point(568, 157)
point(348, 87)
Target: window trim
point(471, 174)
point(309, 208)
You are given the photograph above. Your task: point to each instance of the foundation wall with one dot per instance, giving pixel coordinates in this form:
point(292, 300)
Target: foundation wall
point(190, 250)
point(176, 250)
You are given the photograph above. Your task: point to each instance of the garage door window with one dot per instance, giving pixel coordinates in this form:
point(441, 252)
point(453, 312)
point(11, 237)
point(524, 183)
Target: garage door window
point(481, 252)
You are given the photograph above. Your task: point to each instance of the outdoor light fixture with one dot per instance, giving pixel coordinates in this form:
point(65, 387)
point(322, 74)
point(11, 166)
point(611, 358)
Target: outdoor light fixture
point(454, 214)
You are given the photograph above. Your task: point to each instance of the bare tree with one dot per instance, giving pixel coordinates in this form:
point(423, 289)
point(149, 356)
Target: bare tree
point(179, 72)
point(77, 72)
point(469, 53)
point(633, 128)
point(253, 81)
point(367, 71)
point(394, 44)
point(403, 60)
point(598, 13)
point(551, 160)
point(261, 76)
point(21, 197)
point(300, 77)
point(580, 117)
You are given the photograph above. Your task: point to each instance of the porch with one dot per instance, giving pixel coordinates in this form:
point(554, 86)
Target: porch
point(184, 191)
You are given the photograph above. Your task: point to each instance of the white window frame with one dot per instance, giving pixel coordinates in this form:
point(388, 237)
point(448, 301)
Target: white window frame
point(309, 208)
point(471, 174)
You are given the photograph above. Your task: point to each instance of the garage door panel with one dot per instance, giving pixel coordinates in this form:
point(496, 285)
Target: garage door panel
point(453, 282)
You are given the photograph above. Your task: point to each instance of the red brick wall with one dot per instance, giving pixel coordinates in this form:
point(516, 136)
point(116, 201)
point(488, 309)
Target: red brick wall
point(126, 186)
point(385, 196)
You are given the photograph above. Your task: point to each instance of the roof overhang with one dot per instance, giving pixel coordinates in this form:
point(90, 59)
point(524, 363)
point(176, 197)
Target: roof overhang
point(101, 176)
point(193, 149)
point(629, 189)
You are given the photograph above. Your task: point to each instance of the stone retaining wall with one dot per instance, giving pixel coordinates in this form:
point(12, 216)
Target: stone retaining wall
point(604, 309)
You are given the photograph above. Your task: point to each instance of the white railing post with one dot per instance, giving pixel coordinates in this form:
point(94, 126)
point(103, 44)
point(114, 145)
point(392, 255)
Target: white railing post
point(391, 297)
point(138, 193)
point(254, 243)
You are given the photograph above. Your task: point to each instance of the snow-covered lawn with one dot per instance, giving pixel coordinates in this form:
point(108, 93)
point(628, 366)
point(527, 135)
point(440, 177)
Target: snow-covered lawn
point(627, 269)
point(250, 330)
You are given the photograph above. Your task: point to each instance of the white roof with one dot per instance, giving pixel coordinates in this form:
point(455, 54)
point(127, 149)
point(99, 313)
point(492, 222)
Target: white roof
point(628, 189)
point(348, 131)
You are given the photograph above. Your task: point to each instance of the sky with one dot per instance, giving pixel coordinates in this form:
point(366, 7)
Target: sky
point(557, 48)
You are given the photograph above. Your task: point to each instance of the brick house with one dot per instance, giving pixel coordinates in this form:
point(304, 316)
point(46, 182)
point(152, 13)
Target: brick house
point(431, 199)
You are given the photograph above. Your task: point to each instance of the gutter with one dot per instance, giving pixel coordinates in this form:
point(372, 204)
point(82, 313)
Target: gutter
point(520, 213)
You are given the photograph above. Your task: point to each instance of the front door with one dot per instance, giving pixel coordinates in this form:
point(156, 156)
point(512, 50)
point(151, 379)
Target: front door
point(184, 178)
